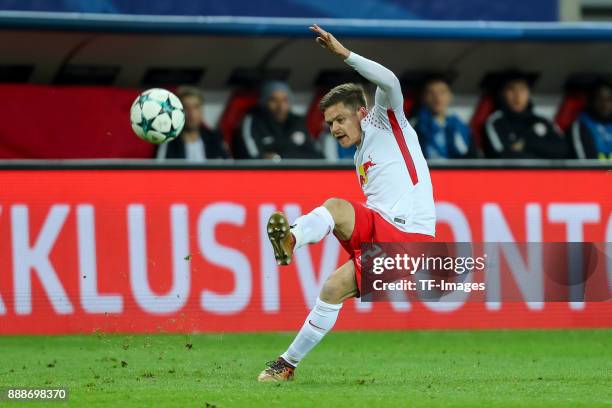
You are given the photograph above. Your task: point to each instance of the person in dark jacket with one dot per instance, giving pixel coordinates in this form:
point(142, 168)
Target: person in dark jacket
point(442, 135)
point(515, 131)
point(196, 143)
point(592, 131)
point(272, 131)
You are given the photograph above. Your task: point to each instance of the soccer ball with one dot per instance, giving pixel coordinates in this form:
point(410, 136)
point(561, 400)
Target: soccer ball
point(157, 116)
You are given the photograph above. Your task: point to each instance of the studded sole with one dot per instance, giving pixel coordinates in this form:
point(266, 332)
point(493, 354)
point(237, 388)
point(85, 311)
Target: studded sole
point(278, 229)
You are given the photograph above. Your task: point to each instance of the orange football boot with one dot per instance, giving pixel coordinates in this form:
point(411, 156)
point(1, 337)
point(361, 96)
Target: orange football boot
point(281, 238)
point(277, 370)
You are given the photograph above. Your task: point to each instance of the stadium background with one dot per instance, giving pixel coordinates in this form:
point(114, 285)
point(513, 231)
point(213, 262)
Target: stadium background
point(129, 245)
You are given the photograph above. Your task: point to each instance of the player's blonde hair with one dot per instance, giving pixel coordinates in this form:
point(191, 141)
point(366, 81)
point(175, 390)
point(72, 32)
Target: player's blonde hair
point(351, 95)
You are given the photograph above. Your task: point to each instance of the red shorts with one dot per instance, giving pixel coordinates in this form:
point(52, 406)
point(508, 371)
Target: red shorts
point(370, 226)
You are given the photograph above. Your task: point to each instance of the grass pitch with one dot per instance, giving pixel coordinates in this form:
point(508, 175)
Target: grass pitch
point(352, 369)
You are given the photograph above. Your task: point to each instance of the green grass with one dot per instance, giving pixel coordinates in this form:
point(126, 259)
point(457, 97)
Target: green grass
point(352, 369)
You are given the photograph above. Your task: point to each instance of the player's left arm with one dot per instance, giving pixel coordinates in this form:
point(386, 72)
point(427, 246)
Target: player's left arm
point(388, 91)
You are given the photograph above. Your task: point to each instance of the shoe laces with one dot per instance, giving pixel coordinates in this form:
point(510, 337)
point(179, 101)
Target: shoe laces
point(277, 366)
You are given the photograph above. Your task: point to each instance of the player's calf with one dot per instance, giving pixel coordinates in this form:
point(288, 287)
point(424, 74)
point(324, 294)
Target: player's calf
point(319, 322)
point(340, 285)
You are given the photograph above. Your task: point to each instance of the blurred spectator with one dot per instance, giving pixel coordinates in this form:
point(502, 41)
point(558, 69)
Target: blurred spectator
point(592, 131)
point(272, 131)
point(515, 131)
point(197, 142)
point(442, 135)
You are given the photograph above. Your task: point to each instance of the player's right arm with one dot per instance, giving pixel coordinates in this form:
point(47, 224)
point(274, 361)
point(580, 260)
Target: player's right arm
point(388, 91)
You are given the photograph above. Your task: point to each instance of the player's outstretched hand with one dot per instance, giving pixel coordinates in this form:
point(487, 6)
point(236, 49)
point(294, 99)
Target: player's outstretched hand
point(329, 42)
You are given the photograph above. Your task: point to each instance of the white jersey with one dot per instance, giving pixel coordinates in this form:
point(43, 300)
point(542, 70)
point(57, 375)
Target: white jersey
point(390, 165)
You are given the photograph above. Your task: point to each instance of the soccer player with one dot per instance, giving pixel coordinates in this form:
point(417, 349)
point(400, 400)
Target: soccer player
point(394, 177)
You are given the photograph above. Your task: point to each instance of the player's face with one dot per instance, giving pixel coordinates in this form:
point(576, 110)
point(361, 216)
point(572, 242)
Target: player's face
point(437, 97)
point(516, 95)
point(278, 105)
point(193, 112)
point(344, 123)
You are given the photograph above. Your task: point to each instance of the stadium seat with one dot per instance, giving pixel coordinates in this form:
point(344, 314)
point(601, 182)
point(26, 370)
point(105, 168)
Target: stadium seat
point(483, 109)
point(570, 107)
point(410, 103)
point(315, 122)
point(239, 103)
point(575, 98)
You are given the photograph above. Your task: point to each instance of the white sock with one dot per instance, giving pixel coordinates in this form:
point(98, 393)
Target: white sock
point(312, 227)
point(320, 320)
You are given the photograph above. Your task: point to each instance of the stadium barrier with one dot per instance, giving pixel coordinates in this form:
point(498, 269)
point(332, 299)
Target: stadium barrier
point(131, 249)
point(294, 26)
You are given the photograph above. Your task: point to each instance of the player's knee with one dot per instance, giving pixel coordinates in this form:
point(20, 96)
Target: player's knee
point(330, 294)
point(333, 290)
point(335, 206)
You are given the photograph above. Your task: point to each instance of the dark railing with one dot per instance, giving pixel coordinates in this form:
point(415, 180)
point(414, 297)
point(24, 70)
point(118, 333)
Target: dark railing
point(128, 164)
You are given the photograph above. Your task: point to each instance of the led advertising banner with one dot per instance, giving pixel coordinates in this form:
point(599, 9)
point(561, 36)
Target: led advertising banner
point(187, 250)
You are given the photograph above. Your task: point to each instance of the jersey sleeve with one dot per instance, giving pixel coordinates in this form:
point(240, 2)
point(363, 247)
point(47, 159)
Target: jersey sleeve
point(388, 88)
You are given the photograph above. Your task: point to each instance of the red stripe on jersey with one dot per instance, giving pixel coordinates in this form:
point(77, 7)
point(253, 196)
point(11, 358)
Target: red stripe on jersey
point(399, 138)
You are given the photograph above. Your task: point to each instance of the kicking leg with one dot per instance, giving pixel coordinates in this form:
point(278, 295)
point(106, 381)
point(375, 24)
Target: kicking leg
point(340, 285)
point(334, 215)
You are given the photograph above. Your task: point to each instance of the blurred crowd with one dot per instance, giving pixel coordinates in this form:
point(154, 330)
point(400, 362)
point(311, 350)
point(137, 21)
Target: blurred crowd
point(271, 130)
